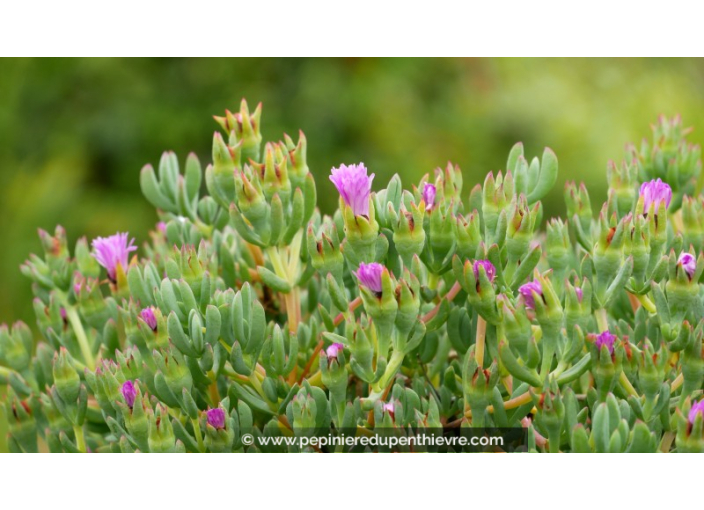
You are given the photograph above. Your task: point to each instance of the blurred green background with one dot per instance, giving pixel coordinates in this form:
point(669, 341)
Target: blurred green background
point(75, 133)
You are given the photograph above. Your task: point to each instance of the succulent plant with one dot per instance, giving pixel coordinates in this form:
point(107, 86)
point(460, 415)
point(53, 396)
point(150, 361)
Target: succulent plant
point(252, 322)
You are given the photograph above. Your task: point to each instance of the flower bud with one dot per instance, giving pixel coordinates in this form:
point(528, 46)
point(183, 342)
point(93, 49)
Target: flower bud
point(388, 407)
point(216, 417)
point(621, 180)
point(529, 292)
point(273, 174)
point(579, 206)
point(688, 263)
point(697, 409)
point(690, 427)
point(369, 275)
point(607, 357)
point(245, 128)
point(669, 156)
point(129, 393)
point(468, 235)
point(441, 240)
point(429, 192)
point(476, 279)
point(693, 222)
point(21, 421)
point(521, 221)
point(559, 248)
point(654, 195)
point(147, 315)
point(408, 298)
point(161, 432)
point(478, 385)
point(16, 346)
point(66, 379)
point(409, 234)
point(324, 249)
point(379, 297)
point(578, 309)
point(496, 197)
point(605, 339)
point(488, 268)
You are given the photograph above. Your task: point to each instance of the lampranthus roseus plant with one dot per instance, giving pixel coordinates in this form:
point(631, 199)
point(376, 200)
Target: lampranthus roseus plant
point(250, 315)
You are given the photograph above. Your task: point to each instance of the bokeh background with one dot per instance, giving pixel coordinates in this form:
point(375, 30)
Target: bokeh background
point(75, 133)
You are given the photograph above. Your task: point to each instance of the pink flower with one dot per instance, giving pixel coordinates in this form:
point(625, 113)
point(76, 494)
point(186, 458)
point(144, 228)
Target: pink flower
point(527, 292)
point(605, 338)
point(697, 408)
point(333, 350)
point(147, 315)
point(488, 268)
point(216, 417)
point(354, 186)
point(388, 407)
point(429, 192)
point(655, 192)
point(580, 293)
point(688, 263)
point(129, 392)
point(369, 275)
point(113, 251)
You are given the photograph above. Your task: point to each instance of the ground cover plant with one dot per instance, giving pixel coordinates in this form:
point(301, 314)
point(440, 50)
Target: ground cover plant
point(250, 315)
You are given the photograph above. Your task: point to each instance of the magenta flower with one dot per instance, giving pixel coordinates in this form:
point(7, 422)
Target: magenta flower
point(429, 192)
point(580, 293)
point(216, 417)
point(655, 192)
point(161, 227)
point(332, 351)
point(354, 186)
point(388, 407)
point(488, 268)
point(129, 392)
point(697, 408)
point(527, 292)
point(369, 275)
point(113, 251)
point(147, 315)
point(688, 263)
point(605, 338)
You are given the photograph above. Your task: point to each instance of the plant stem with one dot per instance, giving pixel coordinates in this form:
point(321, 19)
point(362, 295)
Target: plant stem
point(293, 309)
point(481, 338)
point(80, 439)
point(601, 319)
point(199, 435)
point(627, 384)
point(646, 303)
point(677, 382)
point(214, 393)
point(518, 401)
point(432, 281)
point(449, 296)
point(77, 325)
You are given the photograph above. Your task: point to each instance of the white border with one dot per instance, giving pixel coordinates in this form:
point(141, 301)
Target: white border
point(359, 28)
point(344, 481)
